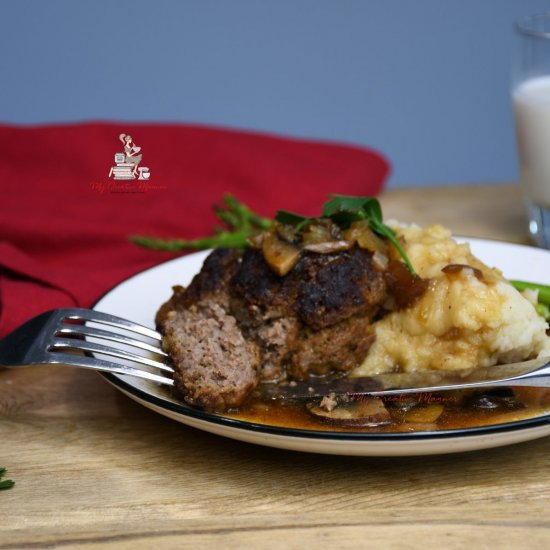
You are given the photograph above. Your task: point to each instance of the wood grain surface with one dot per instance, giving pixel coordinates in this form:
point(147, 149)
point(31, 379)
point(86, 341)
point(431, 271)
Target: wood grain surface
point(94, 469)
point(487, 211)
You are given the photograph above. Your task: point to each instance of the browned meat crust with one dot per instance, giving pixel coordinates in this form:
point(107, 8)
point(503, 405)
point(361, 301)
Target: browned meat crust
point(238, 322)
point(213, 280)
point(321, 290)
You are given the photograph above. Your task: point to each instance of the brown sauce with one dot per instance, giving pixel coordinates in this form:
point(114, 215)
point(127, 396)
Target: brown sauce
point(460, 409)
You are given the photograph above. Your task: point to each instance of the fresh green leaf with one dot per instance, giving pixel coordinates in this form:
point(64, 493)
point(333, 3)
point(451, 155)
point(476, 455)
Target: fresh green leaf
point(6, 483)
point(343, 203)
point(345, 218)
point(353, 207)
point(344, 210)
point(374, 210)
point(290, 218)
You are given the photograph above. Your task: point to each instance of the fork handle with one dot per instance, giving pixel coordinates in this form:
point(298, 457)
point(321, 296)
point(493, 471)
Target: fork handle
point(25, 337)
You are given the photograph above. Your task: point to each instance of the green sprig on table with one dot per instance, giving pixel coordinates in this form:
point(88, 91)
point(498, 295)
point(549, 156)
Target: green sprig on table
point(6, 483)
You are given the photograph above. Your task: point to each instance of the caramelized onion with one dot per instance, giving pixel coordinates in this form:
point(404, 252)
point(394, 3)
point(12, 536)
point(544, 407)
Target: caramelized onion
point(362, 234)
point(283, 244)
point(316, 233)
point(280, 256)
point(286, 232)
point(404, 287)
point(380, 260)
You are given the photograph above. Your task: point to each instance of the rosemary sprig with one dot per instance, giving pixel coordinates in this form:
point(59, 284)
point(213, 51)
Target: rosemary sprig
point(239, 222)
point(222, 239)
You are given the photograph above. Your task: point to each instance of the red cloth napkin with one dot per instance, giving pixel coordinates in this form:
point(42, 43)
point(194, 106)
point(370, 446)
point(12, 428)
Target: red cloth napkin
point(64, 221)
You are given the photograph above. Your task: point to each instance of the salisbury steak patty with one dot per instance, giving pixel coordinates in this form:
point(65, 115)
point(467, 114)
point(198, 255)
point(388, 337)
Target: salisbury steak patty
point(238, 322)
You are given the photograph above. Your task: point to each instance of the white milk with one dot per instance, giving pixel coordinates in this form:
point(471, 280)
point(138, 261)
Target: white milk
point(532, 108)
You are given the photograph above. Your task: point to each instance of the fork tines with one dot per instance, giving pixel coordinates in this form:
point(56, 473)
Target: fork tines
point(75, 330)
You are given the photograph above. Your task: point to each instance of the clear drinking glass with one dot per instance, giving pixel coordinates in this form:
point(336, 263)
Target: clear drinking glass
point(531, 98)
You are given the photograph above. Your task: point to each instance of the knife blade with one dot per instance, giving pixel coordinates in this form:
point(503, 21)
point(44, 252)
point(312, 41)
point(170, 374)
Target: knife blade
point(534, 372)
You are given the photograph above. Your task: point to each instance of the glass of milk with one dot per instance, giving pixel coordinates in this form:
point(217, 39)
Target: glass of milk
point(531, 97)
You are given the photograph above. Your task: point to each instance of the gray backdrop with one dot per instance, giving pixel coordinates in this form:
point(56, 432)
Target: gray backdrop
point(424, 81)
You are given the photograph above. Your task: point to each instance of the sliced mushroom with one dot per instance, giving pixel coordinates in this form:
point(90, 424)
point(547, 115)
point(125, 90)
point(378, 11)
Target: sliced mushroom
point(368, 412)
point(497, 399)
point(328, 247)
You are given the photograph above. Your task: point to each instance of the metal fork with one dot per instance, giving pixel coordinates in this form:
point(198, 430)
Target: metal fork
point(52, 338)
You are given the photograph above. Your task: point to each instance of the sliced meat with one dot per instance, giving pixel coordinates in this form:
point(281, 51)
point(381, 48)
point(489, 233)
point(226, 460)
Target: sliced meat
point(338, 348)
point(274, 339)
point(216, 368)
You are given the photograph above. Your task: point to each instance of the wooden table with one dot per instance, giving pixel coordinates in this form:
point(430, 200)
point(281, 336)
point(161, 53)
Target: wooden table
point(94, 468)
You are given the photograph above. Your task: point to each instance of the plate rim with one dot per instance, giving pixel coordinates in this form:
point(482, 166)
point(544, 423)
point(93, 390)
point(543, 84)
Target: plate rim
point(324, 435)
point(319, 435)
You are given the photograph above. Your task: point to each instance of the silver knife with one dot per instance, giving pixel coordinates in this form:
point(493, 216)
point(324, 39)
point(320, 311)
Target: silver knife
point(535, 373)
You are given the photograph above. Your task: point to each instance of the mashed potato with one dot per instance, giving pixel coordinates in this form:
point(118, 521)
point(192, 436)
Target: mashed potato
point(469, 316)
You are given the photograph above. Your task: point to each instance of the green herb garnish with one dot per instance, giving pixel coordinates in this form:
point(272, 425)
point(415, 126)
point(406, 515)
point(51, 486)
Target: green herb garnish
point(343, 211)
point(6, 483)
point(240, 223)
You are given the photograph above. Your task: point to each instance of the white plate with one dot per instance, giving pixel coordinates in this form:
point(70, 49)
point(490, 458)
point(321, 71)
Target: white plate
point(139, 297)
